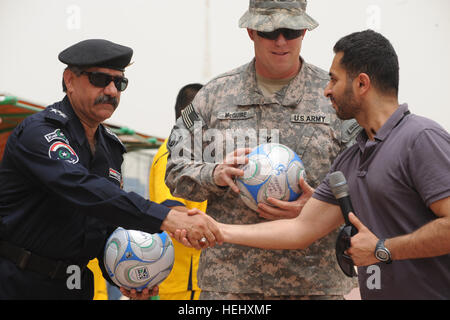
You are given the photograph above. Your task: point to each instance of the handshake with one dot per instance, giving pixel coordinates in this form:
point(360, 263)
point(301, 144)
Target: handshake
point(193, 228)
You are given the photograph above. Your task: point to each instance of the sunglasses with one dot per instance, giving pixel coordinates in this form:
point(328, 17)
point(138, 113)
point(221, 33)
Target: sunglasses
point(102, 80)
point(342, 244)
point(288, 34)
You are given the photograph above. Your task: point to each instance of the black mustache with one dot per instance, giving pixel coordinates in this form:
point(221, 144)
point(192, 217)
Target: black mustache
point(107, 99)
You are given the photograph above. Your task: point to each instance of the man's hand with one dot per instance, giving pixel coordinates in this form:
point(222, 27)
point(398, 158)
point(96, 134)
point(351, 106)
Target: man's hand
point(145, 294)
point(285, 209)
point(197, 225)
point(225, 172)
point(362, 248)
point(181, 235)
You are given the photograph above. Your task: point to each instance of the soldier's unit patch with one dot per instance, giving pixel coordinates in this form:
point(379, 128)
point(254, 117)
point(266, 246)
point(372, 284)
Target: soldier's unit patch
point(62, 151)
point(350, 129)
point(174, 139)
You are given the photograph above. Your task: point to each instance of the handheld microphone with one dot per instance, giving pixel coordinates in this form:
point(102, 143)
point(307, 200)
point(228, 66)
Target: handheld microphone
point(339, 187)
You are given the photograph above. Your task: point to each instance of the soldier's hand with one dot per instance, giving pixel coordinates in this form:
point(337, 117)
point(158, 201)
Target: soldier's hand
point(285, 209)
point(225, 172)
point(145, 294)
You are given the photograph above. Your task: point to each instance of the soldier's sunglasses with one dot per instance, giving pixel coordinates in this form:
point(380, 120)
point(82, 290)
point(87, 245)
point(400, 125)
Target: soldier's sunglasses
point(288, 34)
point(342, 244)
point(101, 80)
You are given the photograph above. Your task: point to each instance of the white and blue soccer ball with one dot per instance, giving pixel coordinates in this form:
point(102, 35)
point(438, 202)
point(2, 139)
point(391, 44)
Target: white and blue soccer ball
point(138, 260)
point(273, 170)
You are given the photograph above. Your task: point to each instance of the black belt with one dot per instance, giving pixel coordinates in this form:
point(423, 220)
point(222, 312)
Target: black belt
point(26, 260)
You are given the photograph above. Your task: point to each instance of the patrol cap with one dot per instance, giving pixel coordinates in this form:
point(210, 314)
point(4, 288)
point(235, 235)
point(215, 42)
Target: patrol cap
point(269, 15)
point(97, 53)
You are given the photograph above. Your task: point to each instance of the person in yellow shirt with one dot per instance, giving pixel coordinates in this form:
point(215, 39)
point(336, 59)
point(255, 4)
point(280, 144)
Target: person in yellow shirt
point(100, 291)
point(181, 284)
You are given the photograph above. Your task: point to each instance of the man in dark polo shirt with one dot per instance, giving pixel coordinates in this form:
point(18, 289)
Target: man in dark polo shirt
point(398, 176)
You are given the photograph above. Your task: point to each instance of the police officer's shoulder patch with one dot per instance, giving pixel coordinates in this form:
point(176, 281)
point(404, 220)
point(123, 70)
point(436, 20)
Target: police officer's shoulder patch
point(190, 116)
point(56, 135)
point(62, 151)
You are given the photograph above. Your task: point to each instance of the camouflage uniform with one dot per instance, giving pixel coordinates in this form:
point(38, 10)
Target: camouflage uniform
point(232, 104)
point(266, 16)
point(308, 124)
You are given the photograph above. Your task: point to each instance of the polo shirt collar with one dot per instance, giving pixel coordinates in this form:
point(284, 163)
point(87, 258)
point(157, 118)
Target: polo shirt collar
point(392, 122)
point(386, 128)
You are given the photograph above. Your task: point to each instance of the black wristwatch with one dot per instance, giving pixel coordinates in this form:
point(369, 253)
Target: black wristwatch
point(382, 253)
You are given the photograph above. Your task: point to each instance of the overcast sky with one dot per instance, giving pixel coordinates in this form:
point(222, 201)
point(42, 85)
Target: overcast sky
point(176, 42)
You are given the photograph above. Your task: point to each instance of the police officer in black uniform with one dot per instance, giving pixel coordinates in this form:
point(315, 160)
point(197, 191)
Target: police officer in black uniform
point(60, 183)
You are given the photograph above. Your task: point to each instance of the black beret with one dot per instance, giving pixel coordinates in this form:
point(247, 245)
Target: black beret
point(97, 53)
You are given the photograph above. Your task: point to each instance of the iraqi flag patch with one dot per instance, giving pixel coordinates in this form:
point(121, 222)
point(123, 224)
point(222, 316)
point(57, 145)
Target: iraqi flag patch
point(62, 151)
point(115, 174)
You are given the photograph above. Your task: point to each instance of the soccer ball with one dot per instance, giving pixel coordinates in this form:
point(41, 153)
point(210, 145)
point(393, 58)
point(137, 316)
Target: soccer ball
point(273, 170)
point(138, 260)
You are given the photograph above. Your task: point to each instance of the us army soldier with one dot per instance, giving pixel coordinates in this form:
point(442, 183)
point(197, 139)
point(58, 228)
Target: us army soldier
point(277, 97)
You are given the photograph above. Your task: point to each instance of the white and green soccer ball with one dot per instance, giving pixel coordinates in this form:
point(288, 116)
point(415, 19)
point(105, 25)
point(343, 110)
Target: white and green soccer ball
point(273, 170)
point(138, 260)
